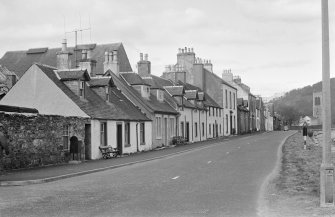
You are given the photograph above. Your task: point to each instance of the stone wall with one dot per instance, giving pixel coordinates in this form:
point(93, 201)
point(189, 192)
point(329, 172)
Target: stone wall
point(36, 140)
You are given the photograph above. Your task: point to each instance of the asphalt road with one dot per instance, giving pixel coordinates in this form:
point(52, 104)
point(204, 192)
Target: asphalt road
point(219, 180)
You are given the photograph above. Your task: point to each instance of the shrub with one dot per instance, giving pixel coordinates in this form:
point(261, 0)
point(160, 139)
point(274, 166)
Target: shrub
point(178, 140)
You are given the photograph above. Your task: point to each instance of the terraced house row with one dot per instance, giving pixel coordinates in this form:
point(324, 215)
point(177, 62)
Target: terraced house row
point(131, 111)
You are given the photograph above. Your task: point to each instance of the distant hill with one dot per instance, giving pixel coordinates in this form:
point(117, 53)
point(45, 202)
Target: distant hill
point(299, 102)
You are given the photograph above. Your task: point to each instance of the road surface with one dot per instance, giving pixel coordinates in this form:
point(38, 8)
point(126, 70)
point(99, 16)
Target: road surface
point(222, 179)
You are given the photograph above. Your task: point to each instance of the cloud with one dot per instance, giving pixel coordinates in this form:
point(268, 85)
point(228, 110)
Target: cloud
point(287, 11)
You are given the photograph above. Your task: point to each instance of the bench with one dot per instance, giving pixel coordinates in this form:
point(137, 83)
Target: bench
point(108, 152)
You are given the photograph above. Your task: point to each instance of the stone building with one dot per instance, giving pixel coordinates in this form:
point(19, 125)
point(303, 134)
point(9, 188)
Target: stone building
point(7, 80)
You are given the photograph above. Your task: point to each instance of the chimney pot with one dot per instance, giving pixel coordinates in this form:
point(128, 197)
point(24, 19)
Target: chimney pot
point(110, 56)
point(182, 50)
point(141, 56)
point(115, 55)
point(192, 50)
point(146, 57)
point(84, 54)
point(89, 54)
point(189, 50)
point(179, 50)
point(106, 57)
point(64, 45)
point(185, 49)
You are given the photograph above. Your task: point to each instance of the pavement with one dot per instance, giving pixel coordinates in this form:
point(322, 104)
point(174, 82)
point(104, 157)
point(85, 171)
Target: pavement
point(56, 172)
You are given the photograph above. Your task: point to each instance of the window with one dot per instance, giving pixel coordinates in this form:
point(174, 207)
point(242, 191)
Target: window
point(220, 112)
point(220, 129)
point(182, 128)
point(203, 129)
point(217, 112)
point(230, 100)
point(172, 127)
point(317, 101)
point(209, 129)
point(81, 88)
point(159, 127)
point(142, 133)
point(127, 134)
point(209, 110)
point(234, 97)
point(226, 99)
point(107, 93)
point(196, 129)
point(66, 137)
point(103, 134)
point(227, 123)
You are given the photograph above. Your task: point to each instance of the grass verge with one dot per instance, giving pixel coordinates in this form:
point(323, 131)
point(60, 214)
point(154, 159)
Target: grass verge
point(294, 192)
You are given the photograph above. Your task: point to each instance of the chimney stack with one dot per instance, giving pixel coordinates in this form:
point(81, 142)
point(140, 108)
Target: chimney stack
point(63, 57)
point(144, 66)
point(111, 62)
point(87, 62)
point(84, 54)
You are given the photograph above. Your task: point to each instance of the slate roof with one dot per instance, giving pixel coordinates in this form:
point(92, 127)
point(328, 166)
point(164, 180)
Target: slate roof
point(133, 78)
point(17, 109)
point(73, 74)
point(152, 83)
point(208, 100)
point(5, 71)
point(191, 94)
point(222, 81)
point(93, 105)
point(175, 90)
point(153, 104)
point(161, 81)
point(20, 61)
point(101, 82)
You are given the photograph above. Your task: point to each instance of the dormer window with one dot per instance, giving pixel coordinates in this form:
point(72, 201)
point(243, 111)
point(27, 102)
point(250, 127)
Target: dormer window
point(81, 89)
point(107, 93)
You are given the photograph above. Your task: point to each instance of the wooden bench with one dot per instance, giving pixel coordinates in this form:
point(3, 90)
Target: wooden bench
point(108, 152)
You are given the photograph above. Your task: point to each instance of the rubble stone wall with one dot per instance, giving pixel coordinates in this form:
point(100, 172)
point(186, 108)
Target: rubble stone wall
point(37, 140)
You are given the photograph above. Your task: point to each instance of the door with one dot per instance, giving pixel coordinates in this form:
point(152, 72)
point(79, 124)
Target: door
point(165, 132)
point(119, 138)
point(87, 141)
point(187, 131)
point(231, 124)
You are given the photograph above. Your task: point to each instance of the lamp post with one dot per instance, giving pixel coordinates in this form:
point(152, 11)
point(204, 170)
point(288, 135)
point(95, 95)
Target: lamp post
point(327, 168)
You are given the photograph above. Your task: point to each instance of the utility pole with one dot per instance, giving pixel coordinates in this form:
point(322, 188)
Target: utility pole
point(327, 168)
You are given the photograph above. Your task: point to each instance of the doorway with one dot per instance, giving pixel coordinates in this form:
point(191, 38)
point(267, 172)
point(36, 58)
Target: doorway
point(165, 132)
point(119, 138)
point(187, 131)
point(87, 141)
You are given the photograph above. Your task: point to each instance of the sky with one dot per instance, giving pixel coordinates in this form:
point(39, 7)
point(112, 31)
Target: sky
point(273, 45)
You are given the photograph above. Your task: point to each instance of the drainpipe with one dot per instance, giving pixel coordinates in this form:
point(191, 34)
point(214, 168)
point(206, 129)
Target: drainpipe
point(192, 124)
point(206, 126)
point(199, 125)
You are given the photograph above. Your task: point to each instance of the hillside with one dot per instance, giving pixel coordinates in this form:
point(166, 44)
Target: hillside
point(299, 102)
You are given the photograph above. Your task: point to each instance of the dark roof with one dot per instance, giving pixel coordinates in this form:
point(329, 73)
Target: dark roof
point(153, 104)
point(37, 50)
point(175, 90)
point(101, 82)
point(191, 94)
point(93, 105)
point(73, 74)
point(20, 61)
point(161, 81)
point(208, 100)
point(17, 109)
point(133, 78)
point(222, 81)
point(151, 82)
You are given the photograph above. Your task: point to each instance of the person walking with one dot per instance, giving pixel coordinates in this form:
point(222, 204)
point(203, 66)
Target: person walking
point(304, 133)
